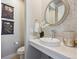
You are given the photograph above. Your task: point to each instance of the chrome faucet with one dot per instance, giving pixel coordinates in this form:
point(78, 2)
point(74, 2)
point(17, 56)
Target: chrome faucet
point(53, 33)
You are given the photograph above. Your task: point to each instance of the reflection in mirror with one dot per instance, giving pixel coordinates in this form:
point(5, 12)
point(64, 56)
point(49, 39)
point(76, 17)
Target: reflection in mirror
point(55, 12)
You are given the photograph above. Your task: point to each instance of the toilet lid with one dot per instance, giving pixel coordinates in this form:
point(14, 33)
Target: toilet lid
point(21, 50)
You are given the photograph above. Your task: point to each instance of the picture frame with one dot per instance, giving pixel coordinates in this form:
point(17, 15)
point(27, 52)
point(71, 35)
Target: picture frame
point(7, 27)
point(7, 11)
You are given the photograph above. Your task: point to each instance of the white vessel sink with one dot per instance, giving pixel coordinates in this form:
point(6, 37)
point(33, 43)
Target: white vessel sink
point(51, 42)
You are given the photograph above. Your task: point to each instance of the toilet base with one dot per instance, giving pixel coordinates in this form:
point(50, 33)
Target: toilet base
point(22, 56)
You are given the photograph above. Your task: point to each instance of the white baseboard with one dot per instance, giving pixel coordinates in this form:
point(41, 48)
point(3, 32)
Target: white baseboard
point(9, 56)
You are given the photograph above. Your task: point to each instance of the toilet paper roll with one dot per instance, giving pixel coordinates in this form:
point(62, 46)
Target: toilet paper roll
point(16, 43)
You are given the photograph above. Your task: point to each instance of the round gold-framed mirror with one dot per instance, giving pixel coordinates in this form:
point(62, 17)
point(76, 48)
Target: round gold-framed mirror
point(56, 12)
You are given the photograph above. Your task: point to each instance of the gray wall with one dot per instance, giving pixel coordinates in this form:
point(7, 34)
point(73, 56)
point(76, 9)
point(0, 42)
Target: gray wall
point(30, 52)
point(22, 21)
point(8, 45)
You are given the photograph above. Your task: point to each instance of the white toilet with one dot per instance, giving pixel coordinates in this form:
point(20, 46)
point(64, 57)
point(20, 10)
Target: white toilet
point(20, 51)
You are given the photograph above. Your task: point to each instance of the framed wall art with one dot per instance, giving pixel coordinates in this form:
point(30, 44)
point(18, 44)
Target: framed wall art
point(7, 11)
point(7, 27)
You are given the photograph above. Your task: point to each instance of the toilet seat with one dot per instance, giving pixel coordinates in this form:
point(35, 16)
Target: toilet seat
point(21, 50)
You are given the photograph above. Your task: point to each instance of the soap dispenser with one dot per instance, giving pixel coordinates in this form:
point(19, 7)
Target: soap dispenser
point(41, 34)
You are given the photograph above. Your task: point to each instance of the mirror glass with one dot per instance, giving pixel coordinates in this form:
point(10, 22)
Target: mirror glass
point(55, 12)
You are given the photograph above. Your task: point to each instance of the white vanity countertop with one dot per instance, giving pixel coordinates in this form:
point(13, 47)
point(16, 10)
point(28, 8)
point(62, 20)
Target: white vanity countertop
point(61, 52)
